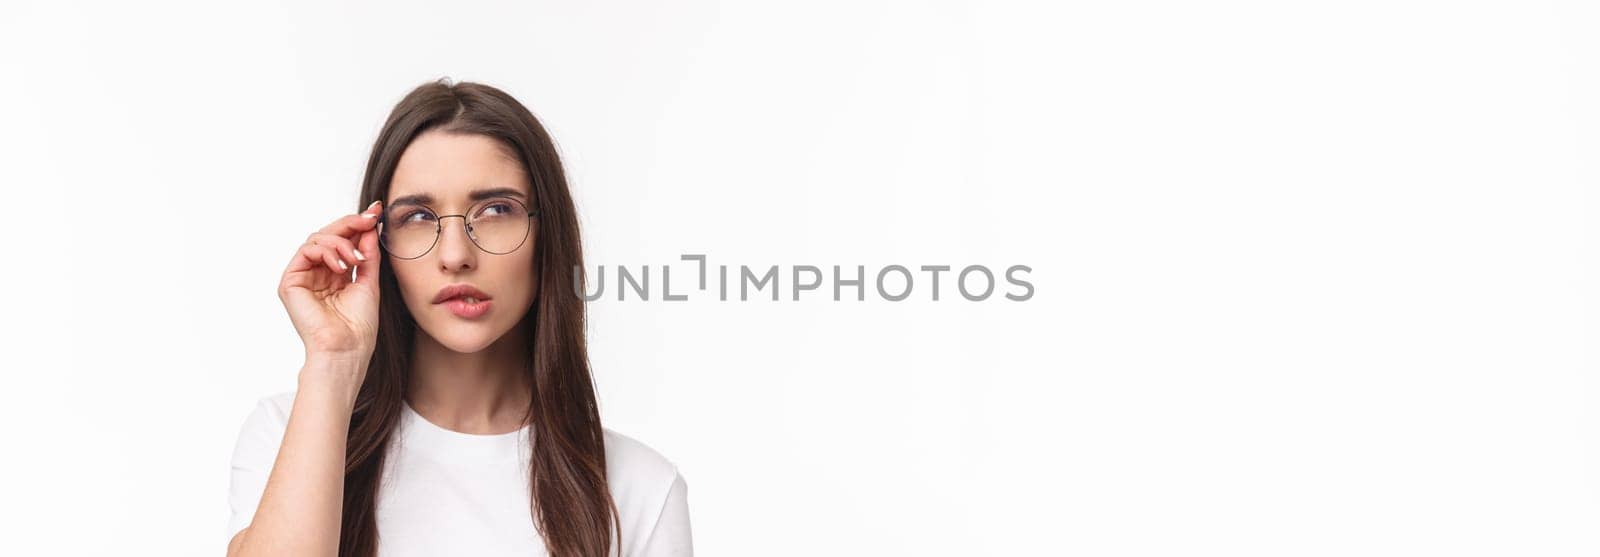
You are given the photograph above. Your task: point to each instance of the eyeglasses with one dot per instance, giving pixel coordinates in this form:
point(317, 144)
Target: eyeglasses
point(498, 225)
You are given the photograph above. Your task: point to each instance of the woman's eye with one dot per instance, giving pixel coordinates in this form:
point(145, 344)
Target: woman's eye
point(415, 215)
point(495, 209)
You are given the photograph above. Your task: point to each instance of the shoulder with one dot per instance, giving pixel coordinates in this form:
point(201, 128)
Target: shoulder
point(277, 404)
point(640, 477)
point(633, 459)
point(651, 496)
point(272, 409)
point(267, 420)
point(254, 452)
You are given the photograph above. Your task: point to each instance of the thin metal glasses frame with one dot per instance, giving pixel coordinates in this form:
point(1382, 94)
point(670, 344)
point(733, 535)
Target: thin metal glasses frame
point(438, 228)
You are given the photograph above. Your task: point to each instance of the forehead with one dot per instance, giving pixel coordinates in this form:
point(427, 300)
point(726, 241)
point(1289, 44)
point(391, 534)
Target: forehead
point(448, 167)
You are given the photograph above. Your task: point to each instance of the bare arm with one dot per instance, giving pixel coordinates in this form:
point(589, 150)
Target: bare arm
point(299, 512)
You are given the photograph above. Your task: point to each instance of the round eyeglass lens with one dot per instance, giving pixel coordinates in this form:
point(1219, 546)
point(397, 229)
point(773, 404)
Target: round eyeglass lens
point(499, 225)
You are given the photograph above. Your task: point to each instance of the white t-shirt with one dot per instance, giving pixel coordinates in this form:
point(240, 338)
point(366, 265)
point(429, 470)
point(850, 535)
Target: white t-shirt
point(449, 493)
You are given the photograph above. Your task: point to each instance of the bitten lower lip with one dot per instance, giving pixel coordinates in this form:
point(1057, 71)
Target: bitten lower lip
point(464, 310)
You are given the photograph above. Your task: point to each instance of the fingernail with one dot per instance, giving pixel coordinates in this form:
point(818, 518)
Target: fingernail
point(342, 265)
point(374, 204)
point(359, 257)
point(368, 216)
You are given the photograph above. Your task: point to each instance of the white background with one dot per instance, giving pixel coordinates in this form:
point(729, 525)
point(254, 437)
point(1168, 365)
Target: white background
point(1312, 278)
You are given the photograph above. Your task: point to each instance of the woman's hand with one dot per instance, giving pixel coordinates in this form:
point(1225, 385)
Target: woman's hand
point(337, 319)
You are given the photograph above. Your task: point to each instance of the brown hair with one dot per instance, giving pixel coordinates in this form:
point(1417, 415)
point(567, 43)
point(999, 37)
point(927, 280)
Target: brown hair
point(571, 501)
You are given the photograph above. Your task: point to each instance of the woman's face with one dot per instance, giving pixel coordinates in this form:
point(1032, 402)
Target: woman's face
point(447, 168)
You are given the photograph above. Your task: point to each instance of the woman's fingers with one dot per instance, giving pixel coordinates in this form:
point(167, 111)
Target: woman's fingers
point(367, 271)
point(343, 248)
point(332, 247)
point(313, 254)
point(338, 266)
point(349, 226)
point(306, 258)
point(302, 269)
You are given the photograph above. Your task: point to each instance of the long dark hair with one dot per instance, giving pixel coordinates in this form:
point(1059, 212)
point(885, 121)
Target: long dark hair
point(571, 501)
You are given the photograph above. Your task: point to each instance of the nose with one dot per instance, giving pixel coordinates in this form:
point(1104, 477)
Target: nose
point(456, 252)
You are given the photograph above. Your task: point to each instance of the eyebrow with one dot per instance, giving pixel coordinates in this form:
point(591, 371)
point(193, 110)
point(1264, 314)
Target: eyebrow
point(475, 196)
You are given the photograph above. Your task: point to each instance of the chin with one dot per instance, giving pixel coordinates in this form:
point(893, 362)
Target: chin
point(465, 339)
point(467, 336)
point(463, 336)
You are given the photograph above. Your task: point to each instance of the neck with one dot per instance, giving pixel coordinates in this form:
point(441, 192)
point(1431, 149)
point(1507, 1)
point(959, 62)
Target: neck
point(483, 393)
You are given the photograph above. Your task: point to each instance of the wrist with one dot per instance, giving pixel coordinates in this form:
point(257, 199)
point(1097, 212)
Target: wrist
point(341, 373)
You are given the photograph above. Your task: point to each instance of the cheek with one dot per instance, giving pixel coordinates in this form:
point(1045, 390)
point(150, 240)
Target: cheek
point(528, 274)
point(404, 275)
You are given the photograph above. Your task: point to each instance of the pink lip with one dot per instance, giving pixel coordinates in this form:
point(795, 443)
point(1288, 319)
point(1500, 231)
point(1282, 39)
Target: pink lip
point(464, 310)
point(454, 296)
point(459, 291)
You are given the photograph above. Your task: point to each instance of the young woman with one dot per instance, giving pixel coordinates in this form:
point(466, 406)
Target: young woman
point(445, 406)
